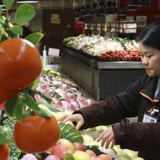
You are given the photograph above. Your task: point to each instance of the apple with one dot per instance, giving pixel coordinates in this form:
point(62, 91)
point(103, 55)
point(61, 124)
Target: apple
point(87, 139)
point(81, 155)
point(105, 157)
point(99, 129)
point(96, 158)
point(79, 146)
point(132, 154)
point(124, 156)
point(59, 151)
point(91, 153)
point(118, 149)
point(52, 157)
point(67, 145)
point(109, 151)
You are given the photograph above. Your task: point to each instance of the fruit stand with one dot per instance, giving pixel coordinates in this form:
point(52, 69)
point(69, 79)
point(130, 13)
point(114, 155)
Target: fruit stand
point(100, 78)
point(79, 144)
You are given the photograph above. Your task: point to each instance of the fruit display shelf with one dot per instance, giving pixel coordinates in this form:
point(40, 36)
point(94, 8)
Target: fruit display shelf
point(100, 79)
point(73, 144)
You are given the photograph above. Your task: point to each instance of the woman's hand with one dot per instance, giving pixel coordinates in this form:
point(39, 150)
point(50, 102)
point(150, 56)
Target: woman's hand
point(107, 138)
point(78, 118)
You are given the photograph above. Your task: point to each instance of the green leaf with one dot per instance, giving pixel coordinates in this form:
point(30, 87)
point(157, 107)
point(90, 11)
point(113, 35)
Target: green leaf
point(11, 105)
point(14, 151)
point(70, 132)
point(3, 139)
point(3, 38)
point(8, 3)
point(50, 106)
point(3, 130)
point(48, 99)
point(24, 14)
point(44, 112)
point(19, 109)
point(34, 37)
point(35, 83)
point(69, 157)
point(31, 102)
point(0, 10)
point(3, 22)
point(16, 30)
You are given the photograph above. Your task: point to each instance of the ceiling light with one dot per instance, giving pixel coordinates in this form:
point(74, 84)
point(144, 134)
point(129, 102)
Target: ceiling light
point(27, 1)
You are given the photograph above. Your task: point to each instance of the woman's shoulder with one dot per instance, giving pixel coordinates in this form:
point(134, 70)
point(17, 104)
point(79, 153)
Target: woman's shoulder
point(147, 79)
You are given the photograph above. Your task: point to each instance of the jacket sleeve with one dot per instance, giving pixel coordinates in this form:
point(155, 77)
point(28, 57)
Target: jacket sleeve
point(114, 109)
point(137, 136)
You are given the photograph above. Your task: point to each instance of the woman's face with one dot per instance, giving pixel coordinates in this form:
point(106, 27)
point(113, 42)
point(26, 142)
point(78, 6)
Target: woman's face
point(150, 60)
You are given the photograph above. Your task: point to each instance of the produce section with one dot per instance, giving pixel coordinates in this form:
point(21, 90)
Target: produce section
point(105, 48)
point(72, 144)
point(85, 147)
point(99, 78)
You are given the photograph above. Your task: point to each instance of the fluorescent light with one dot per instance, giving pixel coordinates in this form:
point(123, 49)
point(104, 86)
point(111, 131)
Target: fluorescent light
point(27, 1)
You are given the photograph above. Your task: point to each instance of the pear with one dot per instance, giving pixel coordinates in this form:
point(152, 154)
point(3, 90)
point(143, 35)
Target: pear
point(132, 154)
point(124, 157)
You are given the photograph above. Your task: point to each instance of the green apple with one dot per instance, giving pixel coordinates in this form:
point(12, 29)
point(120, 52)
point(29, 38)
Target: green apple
point(87, 139)
point(104, 128)
point(124, 157)
point(99, 129)
point(118, 149)
point(81, 155)
point(132, 154)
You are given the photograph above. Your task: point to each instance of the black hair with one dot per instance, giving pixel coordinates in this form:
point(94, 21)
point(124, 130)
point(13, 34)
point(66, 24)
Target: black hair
point(150, 36)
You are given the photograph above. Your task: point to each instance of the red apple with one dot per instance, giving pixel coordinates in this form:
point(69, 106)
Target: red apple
point(67, 145)
point(96, 158)
point(105, 157)
point(52, 157)
point(91, 153)
point(59, 151)
point(79, 146)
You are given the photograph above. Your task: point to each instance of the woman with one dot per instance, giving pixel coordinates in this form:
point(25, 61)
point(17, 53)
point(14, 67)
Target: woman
point(141, 99)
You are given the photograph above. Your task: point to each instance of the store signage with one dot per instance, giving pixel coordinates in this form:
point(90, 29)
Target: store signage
point(55, 19)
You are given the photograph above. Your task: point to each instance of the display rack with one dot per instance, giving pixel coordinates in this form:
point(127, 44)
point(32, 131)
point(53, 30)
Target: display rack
point(101, 79)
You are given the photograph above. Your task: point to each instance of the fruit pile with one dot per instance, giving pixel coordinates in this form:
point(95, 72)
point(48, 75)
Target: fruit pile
point(65, 94)
point(127, 55)
point(106, 48)
point(76, 150)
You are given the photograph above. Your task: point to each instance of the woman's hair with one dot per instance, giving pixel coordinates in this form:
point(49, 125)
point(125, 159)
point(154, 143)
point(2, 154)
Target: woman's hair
point(150, 36)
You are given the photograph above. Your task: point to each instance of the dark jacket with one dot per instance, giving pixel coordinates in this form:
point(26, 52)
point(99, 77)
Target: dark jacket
point(135, 101)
